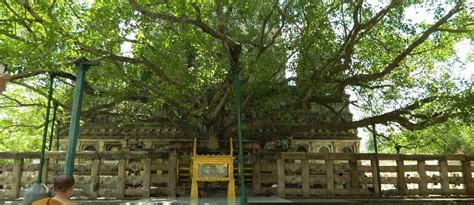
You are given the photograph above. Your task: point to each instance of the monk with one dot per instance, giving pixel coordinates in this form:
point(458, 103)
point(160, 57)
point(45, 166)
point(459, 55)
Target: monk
point(63, 189)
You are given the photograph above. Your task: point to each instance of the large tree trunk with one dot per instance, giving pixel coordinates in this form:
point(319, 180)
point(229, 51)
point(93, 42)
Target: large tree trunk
point(212, 139)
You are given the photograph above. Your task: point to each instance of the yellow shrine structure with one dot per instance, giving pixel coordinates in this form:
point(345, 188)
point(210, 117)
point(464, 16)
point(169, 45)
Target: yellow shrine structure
point(213, 168)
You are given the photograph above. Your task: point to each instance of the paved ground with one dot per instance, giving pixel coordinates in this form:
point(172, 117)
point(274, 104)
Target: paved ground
point(278, 201)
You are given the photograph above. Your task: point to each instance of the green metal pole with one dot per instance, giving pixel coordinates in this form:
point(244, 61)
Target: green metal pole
point(243, 193)
point(82, 66)
point(39, 190)
point(45, 131)
point(57, 141)
point(379, 184)
point(51, 134)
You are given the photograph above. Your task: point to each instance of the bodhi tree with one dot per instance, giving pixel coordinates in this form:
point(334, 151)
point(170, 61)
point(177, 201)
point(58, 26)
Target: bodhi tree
point(176, 60)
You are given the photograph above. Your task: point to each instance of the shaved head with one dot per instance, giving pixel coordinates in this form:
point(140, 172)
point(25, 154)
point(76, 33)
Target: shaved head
point(63, 182)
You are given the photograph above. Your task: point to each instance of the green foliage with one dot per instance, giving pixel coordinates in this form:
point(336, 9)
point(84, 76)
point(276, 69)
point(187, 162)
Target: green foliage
point(175, 59)
point(21, 127)
point(451, 137)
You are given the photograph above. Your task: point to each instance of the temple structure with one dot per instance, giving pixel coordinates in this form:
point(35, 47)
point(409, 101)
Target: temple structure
point(103, 132)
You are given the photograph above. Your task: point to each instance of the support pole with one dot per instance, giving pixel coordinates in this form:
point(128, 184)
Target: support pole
point(82, 66)
point(243, 194)
point(376, 154)
point(39, 190)
point(51, 133)
point(45, 130)
point(57, 139)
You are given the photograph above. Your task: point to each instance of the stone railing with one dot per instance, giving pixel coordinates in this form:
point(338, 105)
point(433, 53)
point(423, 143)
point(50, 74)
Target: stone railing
point(289, 174)
point(310, 174)
point(97, 174)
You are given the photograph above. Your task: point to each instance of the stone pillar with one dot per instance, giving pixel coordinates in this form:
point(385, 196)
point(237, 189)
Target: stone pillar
point(305, 178)
point(330, 176)
point(281, 177)
point(120, 194)
point(423, 185)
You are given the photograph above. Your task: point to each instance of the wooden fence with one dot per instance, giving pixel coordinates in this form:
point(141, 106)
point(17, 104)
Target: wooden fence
point(287, 174)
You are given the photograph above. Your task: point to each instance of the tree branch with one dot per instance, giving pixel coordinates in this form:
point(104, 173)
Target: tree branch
point(262, 46)
point(18, 38)
point(106, 54)
point(30, 73)
point(196, 22)
point(454, 30)
point(361, 78)
point(23, 23)
point(368, 25)
point(262, 29)
point(30, 10)
point(220, 16)
point(363, 28)
point(350, 40)
point(396, 116)
point(219, 99)
point(40, 92)
point(21, 125)
point(20, 104)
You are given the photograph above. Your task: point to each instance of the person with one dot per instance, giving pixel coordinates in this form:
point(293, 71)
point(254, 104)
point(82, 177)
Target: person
point(63, 187)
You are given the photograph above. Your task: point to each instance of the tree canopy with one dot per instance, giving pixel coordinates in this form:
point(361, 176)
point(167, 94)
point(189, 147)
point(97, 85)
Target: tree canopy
point(176, 60)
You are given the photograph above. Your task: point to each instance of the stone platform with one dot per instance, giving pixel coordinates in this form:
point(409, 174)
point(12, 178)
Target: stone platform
point(275, 200)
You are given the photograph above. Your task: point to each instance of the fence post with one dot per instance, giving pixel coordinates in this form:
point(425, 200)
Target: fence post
point(330, 176)
point(172, 163)
point(305, 177)
point(467, 176)
point(443, 165)
point(281, 177)
point(16, 179)
point(146, 178)
point(401, 180)
point(94, 180)
point(423, 178)
point(121, 179)
point(376, 176)
point(354, 173)
point(257, 176)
